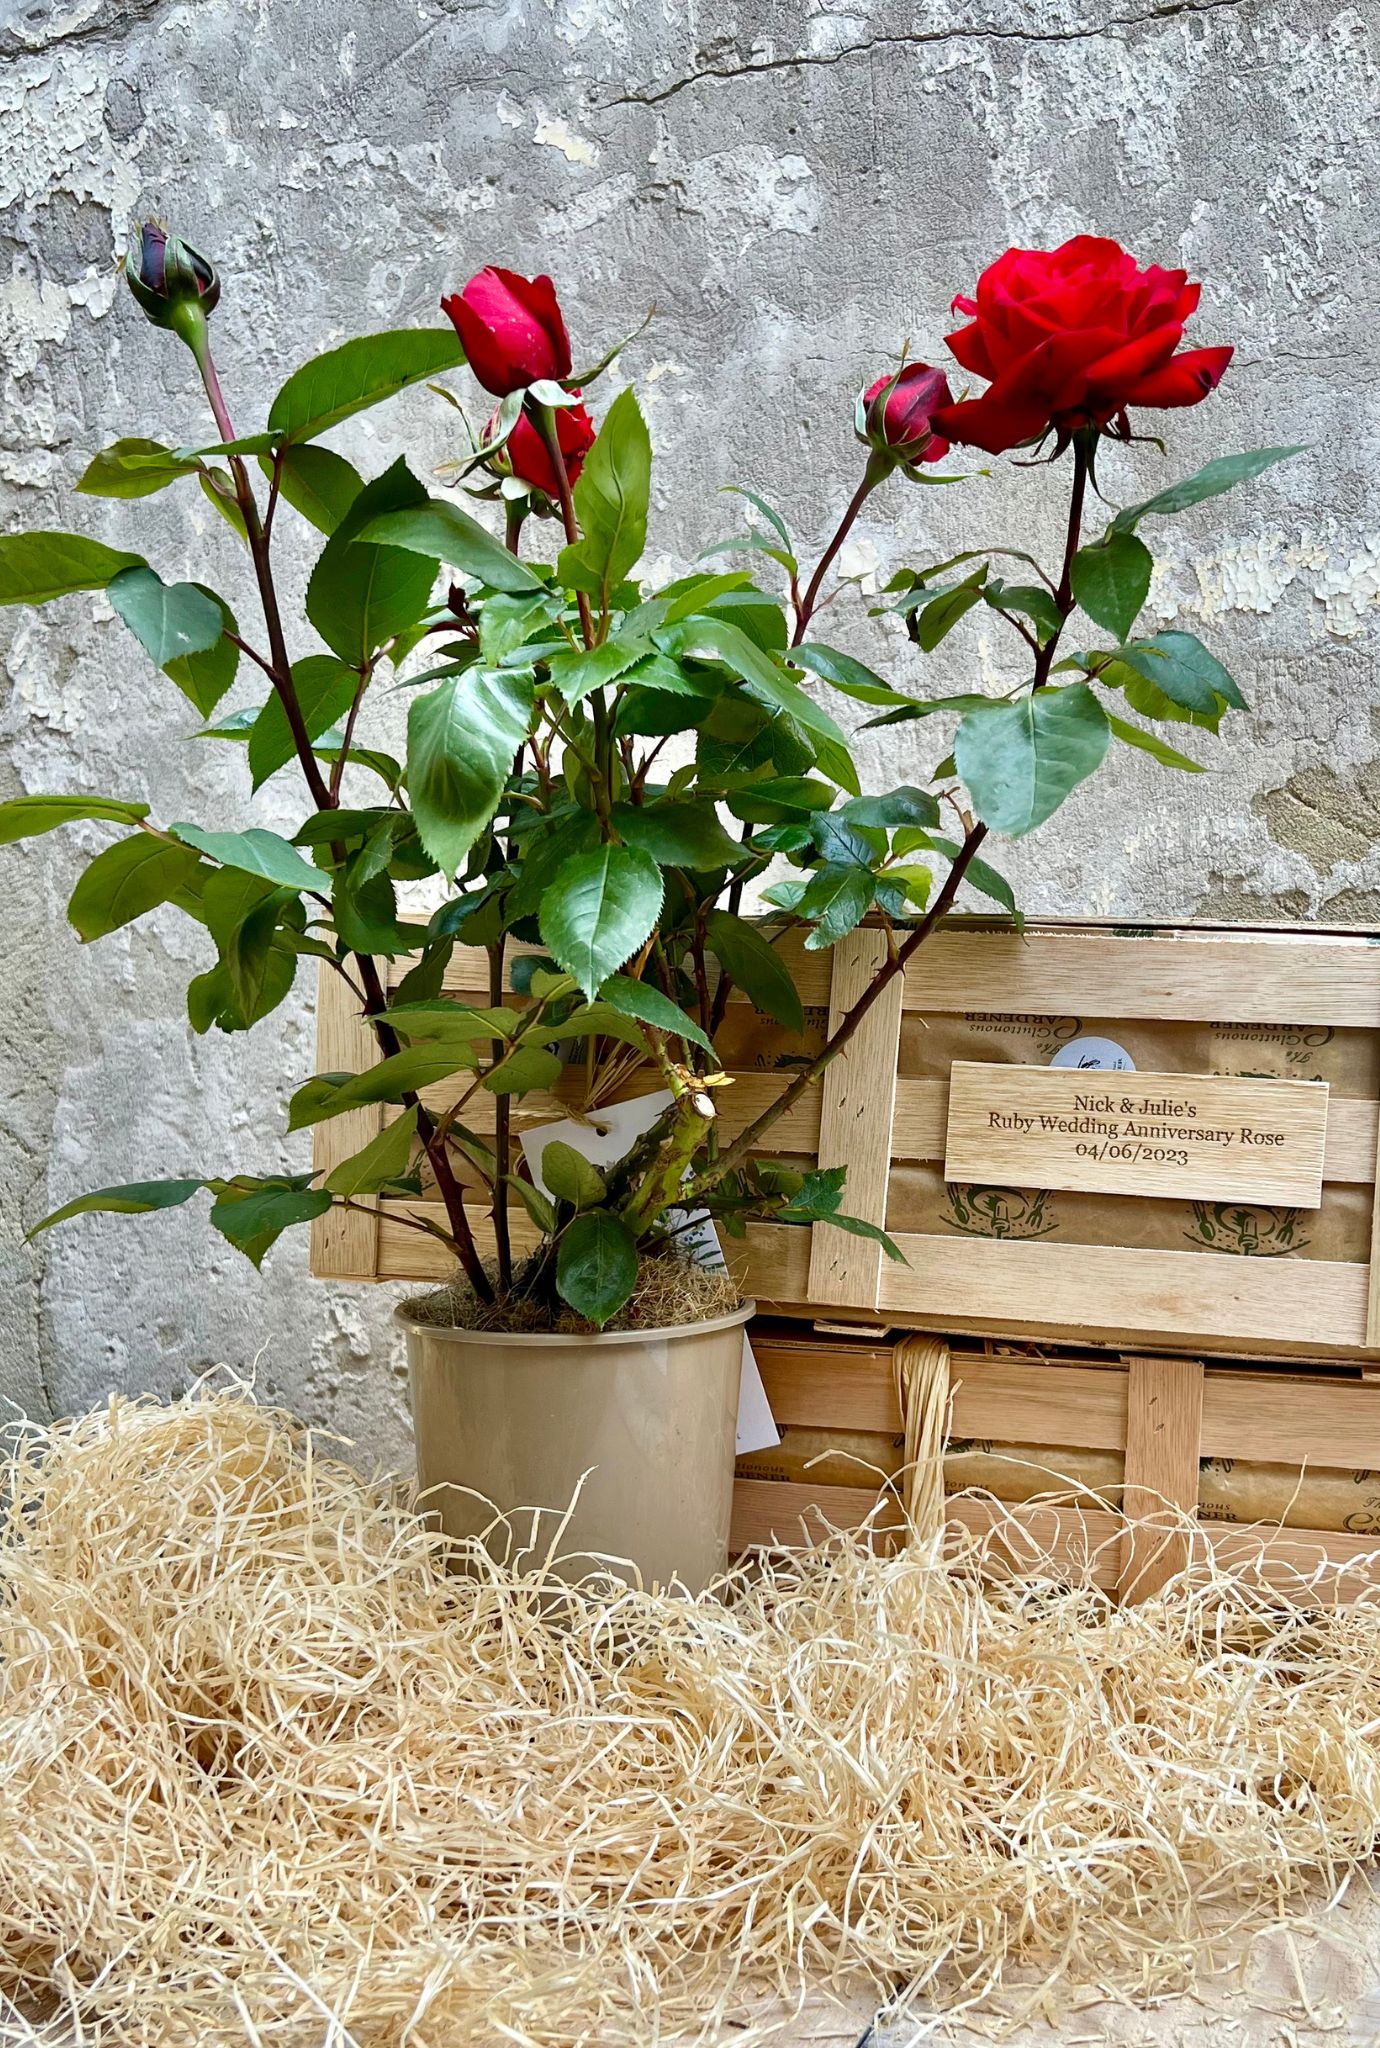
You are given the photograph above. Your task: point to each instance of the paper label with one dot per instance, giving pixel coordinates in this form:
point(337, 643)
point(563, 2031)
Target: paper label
point(605, 1139)
point(1207, 1137)
point(1095, 1053)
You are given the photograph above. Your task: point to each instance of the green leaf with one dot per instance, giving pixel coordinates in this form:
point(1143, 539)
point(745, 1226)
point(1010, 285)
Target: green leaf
point(904, 806)
point(649, 1006)
point(718, 640)
point(35, 567)
point(256, 852)
point(535, 1203)
point(169, 620)
point(982, 877)
point(384, 1158)
point(254, 1222)
point(24, 817)
point(135, 1198)
point(1181, 668)
point(360, 373)
point(133, 469)
point(248, 953)
point(611, 500)
point(1150, 743)
point(943, 613)
point(1020, 760)
point(1208, 482)
point(847, 675)
point(581, 670)
point(127, 879)
point(510, 618)
point(1111, 580)
point(596, 1266)
point(856, 1226)
point(359, 594)
point(461, 740)
point(446, 533)
point(403, 1073)
point(836, 896)
point(204, 677)
point(318, 483)
point(325, 691)
point(570, 1177)
point(680, 835)
point(1032, 601)
point(757, 969)
point(524, 1068)
point(772, 517)
point(600, 909)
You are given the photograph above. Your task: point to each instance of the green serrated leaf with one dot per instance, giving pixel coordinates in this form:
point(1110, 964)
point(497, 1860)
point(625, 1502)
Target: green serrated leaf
point(611, 500)
point(37, 567)
point(569, 1175)
point(835, 898)
point(169, 620)
point(581, 670)
point(850, 676)
point(135, 1198)
point(1181, 668)
point(254, 1222)
point(461, 740)
point(318, 483)
point(596, 1266)
point(683, 835)
point(133, 468)
point(1209, 482)
point(256, 852)
point(1150, 743)
point(126, 880)
point(24, 817)
point(448, 534)
point(325, 689)
point(205, 676)
point(599, 911)
point(360, 594)
point(359, 373)
point(384, 1158)
point(755, 967)
point(1020, 760)
point(1111, 580)
point(648, 1005)
point(943, 613)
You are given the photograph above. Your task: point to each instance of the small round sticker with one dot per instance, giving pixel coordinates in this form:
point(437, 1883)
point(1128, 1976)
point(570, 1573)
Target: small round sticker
point(1094, 1052)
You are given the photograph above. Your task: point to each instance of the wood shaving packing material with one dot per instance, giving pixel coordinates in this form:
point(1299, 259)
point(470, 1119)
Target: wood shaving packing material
point(271, 1774)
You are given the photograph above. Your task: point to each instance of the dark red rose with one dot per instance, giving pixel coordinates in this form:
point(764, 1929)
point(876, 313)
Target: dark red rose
point(1070, 337)
point(527, 452)
point(896, 413)
point(512, 329)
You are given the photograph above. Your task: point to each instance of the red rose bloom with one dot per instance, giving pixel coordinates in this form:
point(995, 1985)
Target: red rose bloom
point(1069, 338)
point(527, 451)
point(898, 409)
point(512, 330)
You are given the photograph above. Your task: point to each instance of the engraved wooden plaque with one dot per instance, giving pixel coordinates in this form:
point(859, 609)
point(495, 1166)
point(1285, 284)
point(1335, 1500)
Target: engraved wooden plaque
point(1204, 1137)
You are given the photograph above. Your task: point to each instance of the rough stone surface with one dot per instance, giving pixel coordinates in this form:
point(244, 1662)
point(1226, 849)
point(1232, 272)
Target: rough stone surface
point(800, 188)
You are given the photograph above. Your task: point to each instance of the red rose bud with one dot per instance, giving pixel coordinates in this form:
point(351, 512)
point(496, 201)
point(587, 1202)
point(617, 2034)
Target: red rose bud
point(512, 330)
point(173, 283)
point(895, 414)
point(1068, 338)
point(527, 452)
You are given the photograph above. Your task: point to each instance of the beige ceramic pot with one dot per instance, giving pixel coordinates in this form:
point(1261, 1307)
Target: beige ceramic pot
point(517, 1420)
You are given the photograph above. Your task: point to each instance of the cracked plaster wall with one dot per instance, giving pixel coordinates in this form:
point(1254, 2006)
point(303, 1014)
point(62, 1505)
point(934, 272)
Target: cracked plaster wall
point(800, 189)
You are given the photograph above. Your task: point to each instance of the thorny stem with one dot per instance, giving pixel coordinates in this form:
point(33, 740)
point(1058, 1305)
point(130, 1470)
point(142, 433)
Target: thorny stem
point(544, 419)
point(805, 606)
point(738, 1153)
point(326, 798)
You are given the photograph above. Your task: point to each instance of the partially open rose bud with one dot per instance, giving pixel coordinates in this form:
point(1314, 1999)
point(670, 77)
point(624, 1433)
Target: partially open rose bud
point(894, 414)
point(173, 283)
point(527, 453)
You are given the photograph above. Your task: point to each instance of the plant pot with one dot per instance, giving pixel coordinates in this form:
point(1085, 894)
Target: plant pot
point(517, 1420)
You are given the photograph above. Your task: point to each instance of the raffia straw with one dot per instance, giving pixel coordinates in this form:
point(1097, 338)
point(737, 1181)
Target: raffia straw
point(270, 1774)
point(921, 1367)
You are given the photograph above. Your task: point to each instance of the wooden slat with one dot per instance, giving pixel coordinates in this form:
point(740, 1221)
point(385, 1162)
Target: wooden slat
point(793, 1514)
point(1164, 1410)
point(1309, 1564)
point(855, 1124)
point(1022, 1537)
point(1277, 1420)
point(344, 1242)
point(1208, 1294)
point(1212, 977)
point(1373, 1290)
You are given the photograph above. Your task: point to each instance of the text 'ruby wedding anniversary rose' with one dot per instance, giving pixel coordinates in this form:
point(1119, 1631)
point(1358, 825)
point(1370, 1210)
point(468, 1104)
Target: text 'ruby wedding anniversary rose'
point(1069, 338)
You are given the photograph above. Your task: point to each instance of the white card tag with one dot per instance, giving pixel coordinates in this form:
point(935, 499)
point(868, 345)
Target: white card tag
point(603, 1141)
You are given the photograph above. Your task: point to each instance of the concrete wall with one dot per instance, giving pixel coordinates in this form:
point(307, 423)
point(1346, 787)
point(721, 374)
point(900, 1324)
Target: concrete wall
point(799, 189)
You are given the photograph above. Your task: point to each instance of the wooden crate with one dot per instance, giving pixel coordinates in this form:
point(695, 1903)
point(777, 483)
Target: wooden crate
point(1159, 1415)
point(884, 1120)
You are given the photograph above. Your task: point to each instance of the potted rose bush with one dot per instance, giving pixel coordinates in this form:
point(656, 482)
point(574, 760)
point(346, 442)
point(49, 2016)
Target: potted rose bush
point(600, 779)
